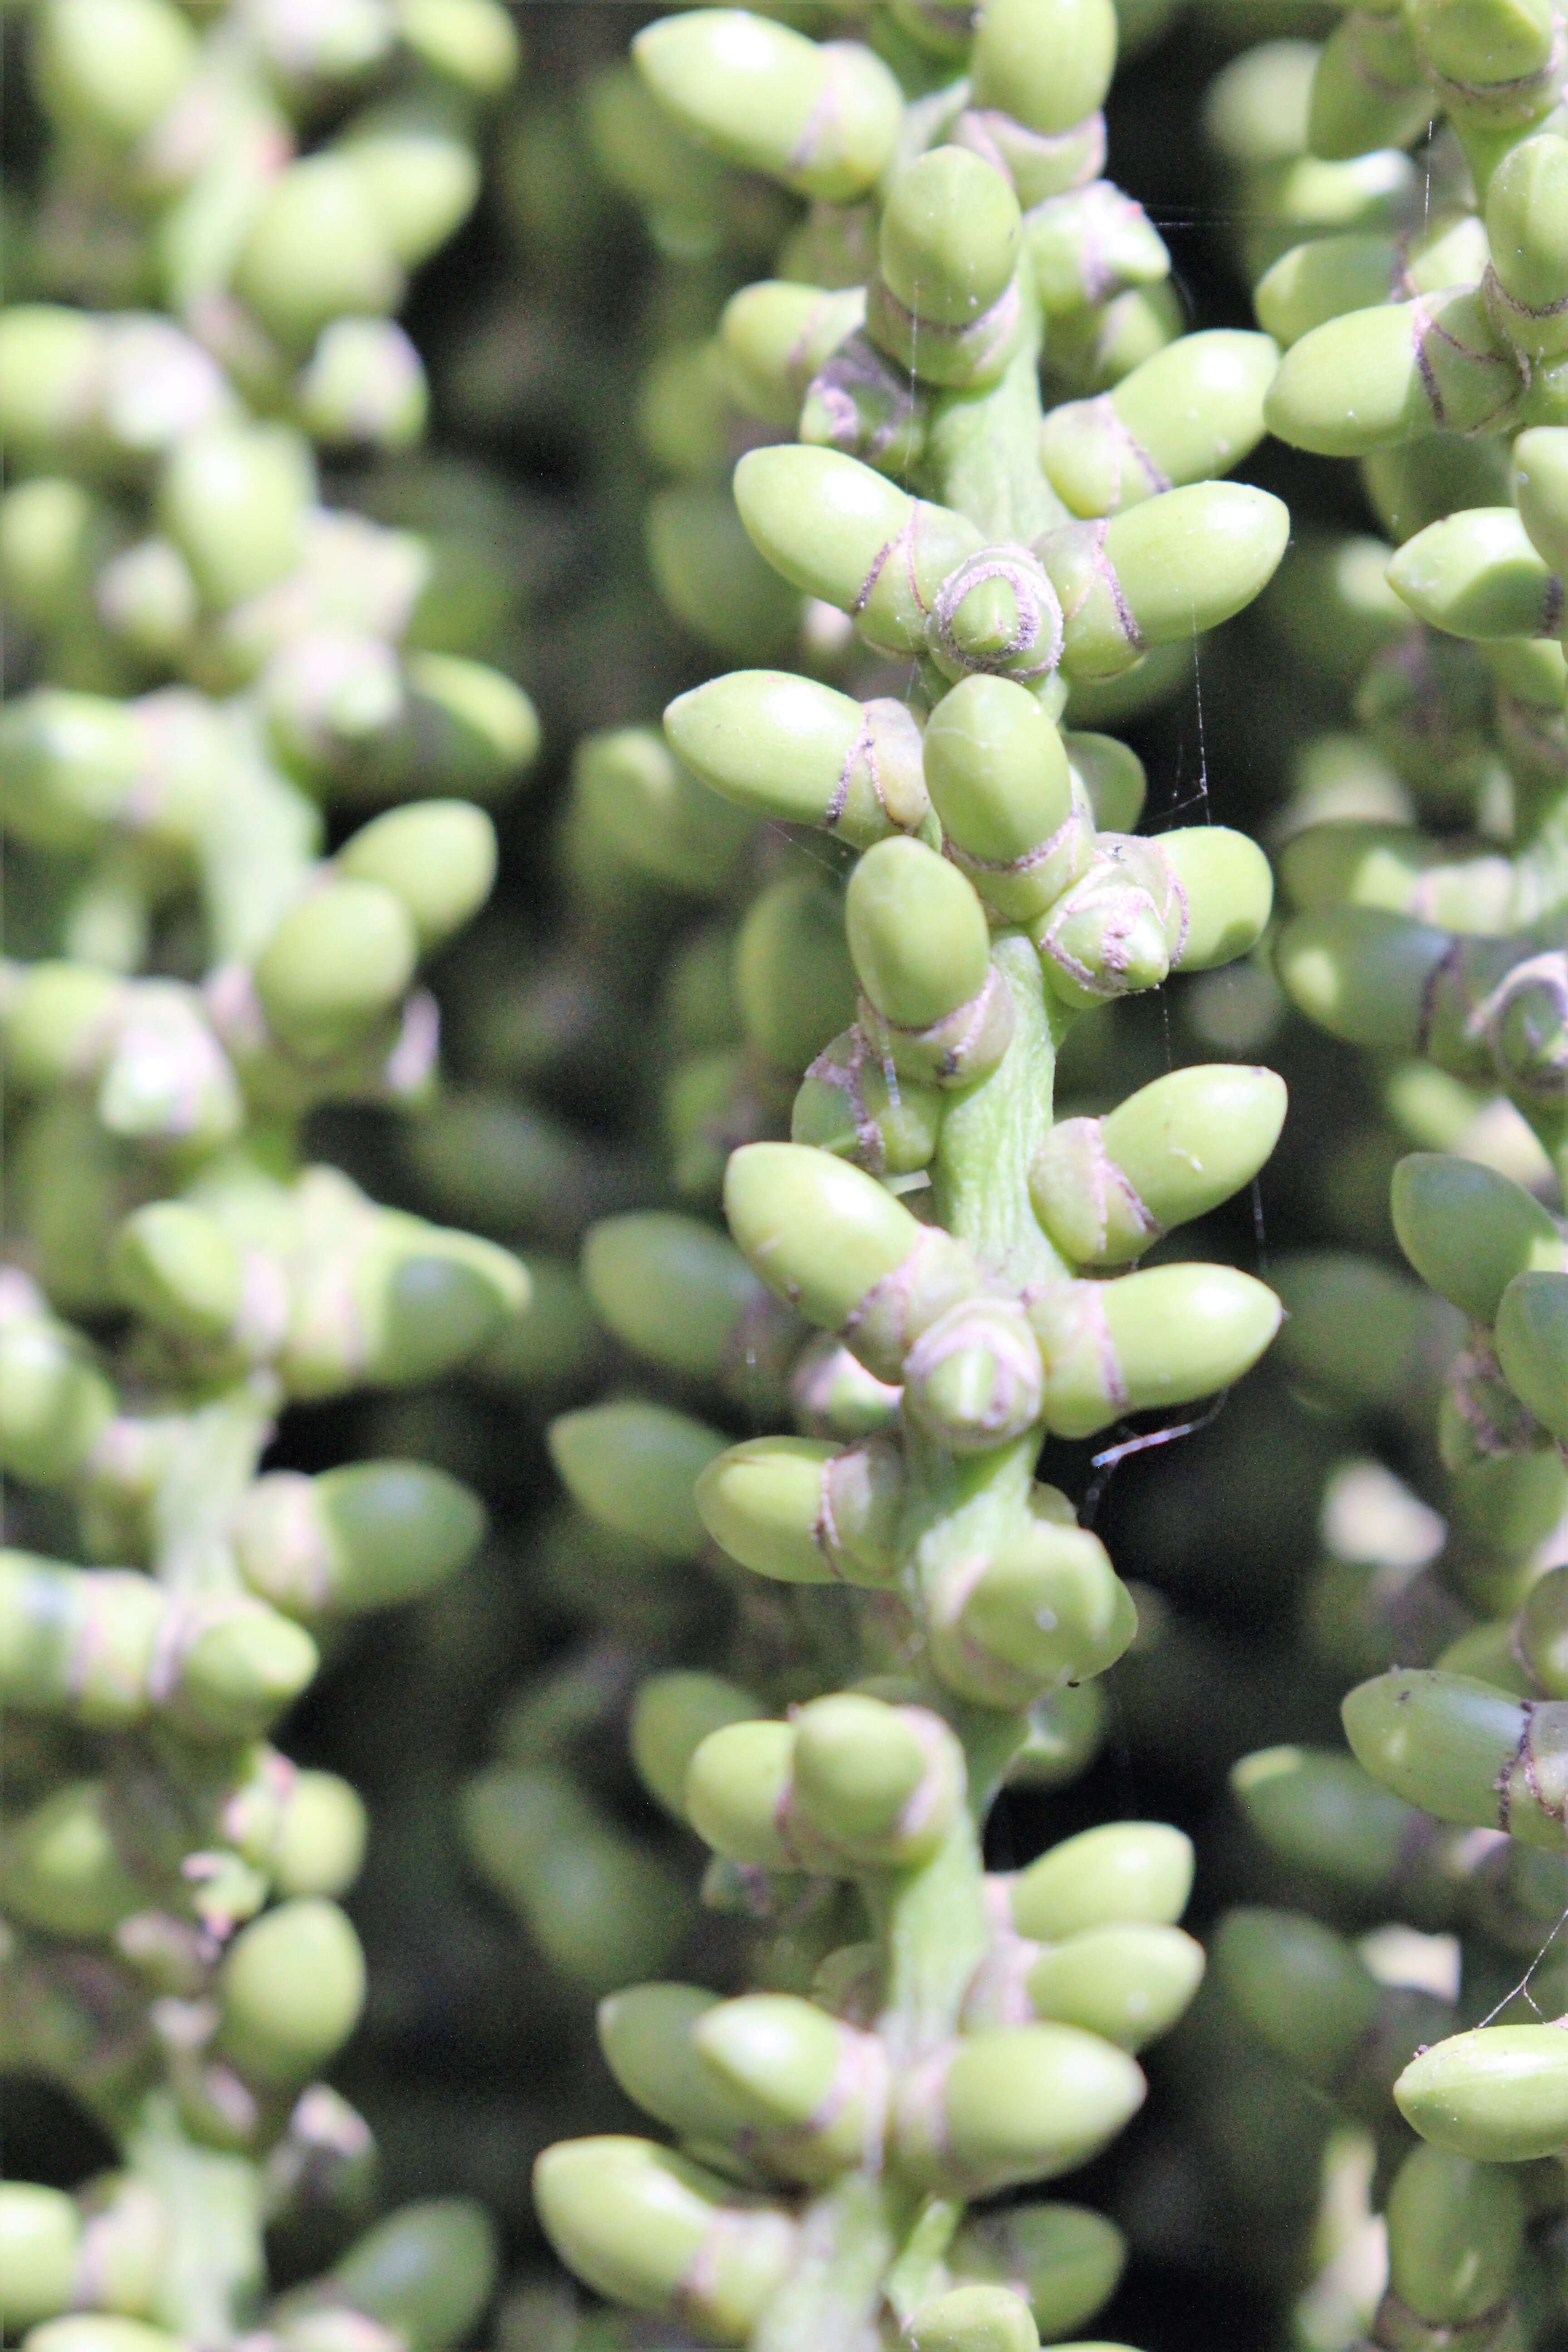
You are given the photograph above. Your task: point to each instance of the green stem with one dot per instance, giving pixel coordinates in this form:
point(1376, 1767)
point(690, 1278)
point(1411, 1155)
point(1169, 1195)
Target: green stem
point(981, 454)
point(849, 2236)
point(214, 1452)
point(213, 2275)
point(933, 1928)
point(990, 1130)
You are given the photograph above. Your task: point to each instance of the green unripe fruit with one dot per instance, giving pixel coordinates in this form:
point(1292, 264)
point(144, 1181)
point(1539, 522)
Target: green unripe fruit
point(821, 1234)
point(1048, 63)
point(368, 1536)
point(1064, 2260)
point(1368, 89)
point(51, 1017)
point(363, 386)
point(633, 1465)
point(72, 765)
point(1317, 1810)
point(601, 1907)
point(1123, 1872)
point(40, 2241)
point(1456, 2231)
point(714, 579)
point(425, 2272)
point(316, 251)
point(949, 240)
point(646, 2035)
point(973, 1379)
point(290, 1990)
point(416, 156)
point(147, 597)
point(855, 1104)
point(1478, 574)
point(1045, 1608)
point(107, 69)
point(1464, 1750)
point(918, 934)
point(100, 2331)
point(1485, 42)
point(49, 534)
point(51, 365)
point(974, 2319)
point(823, 120)
point(1161, 1337)
point(650, 812)
point(239, 1665)
point(1499, 2095)
point(673, 1715)
point(1304, 1991)
point(803, 1511)
point(1467, 1231)
point(792, 981)
point(76, 1644)
point(1090, 242)
point(422, 1298)
point(1533, 1346)
point(671, 1290)
point(335, 965)
point(1324, 279)
point(1527, 239)
point(1161, 573)
point(775, 336)
point(880, 1783)
point(997, 613)
point(1105, 1190)
point(61, 1871)
point(1361, 973)
point(827, 523)
point(320, 1846)
point(1192, 412)
point(646, 2228)
point(176, 1266)
point(1021, 2104)
point(1540, 479)
point(788, 748)
point(471, 729)
point(1377, 377)
point(1127, 1983)
point(1540, 1634)
point(763, 1503)
point(234, 499)
point(815, 2087)
point(55, 1404)
point(999, 777)
point(438, 859)
point(736, 1783)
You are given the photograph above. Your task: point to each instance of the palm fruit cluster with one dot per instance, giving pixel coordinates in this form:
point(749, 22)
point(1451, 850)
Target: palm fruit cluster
point(1422, 757)
point(245, 744)
point(860, 945)
point(970, 561)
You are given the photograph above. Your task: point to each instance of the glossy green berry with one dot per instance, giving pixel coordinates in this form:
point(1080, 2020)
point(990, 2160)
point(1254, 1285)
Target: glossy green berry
point(290, 1990)
point(633, 1465)
point(649, 2228)
point(1124, 1870)
point(823, 120)
point(1467, 1231)
point(1497, 2094)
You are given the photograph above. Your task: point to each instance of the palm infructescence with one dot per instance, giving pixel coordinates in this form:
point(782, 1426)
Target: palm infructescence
point(977, 516)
